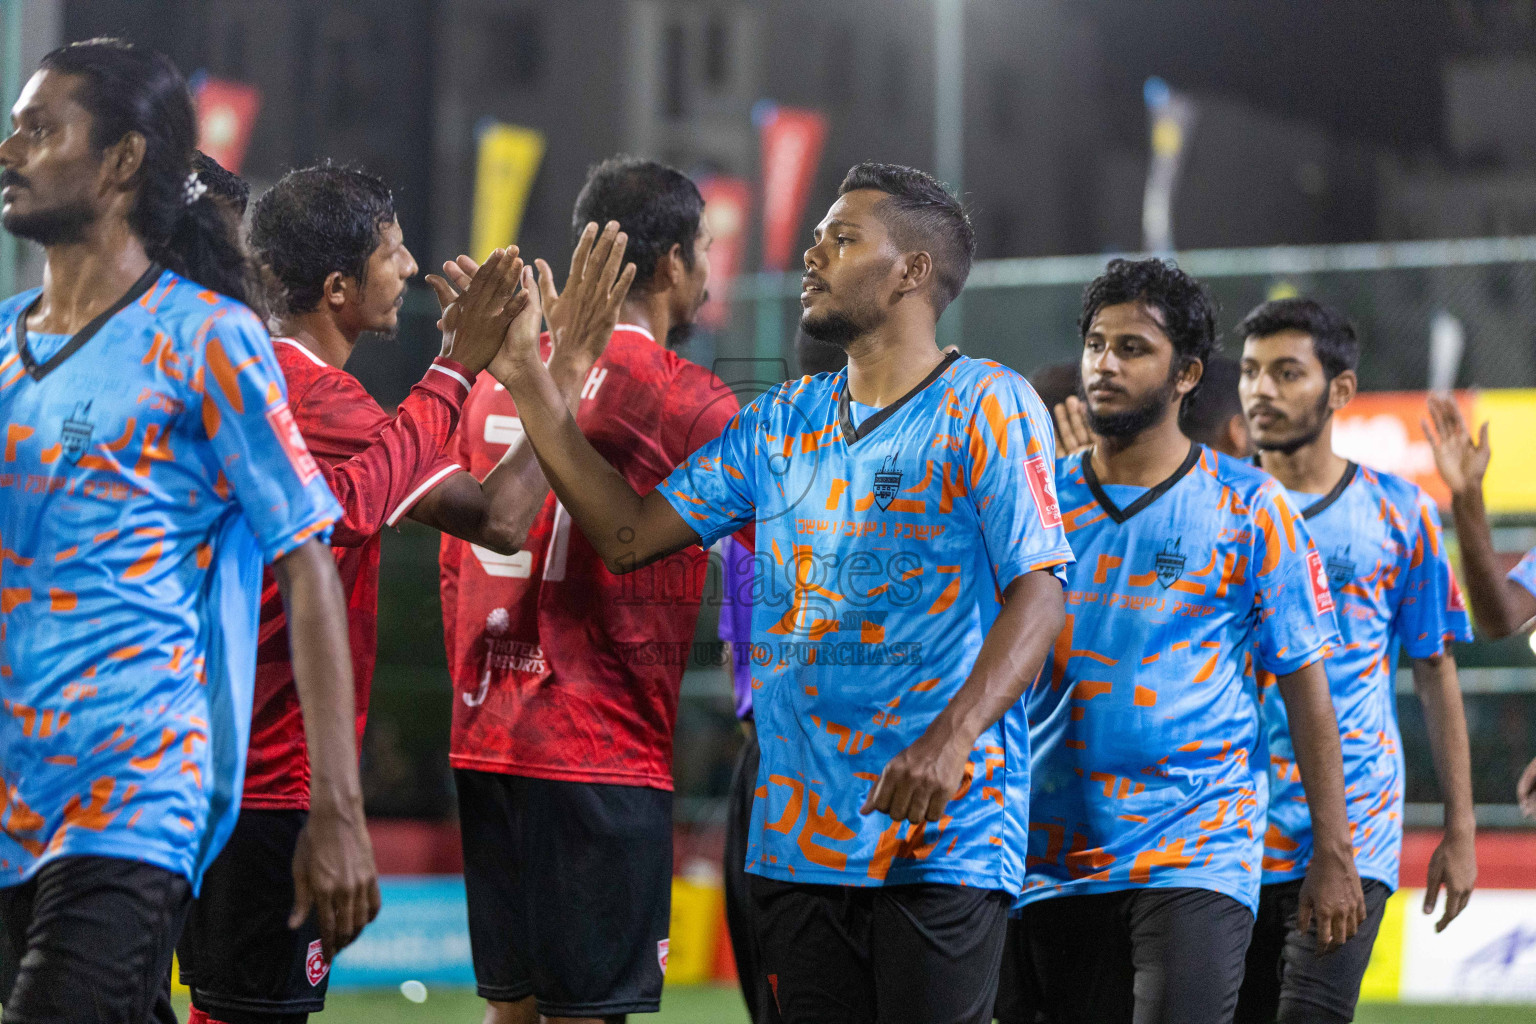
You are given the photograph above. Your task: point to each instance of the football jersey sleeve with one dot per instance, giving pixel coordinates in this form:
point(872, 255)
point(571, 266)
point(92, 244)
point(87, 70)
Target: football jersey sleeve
point(697, 408)
point(714, 489)
point(261, 456)
point(379, 467)
point(1294, 606)
point(1524, 572)
point(1432, 613)
point(1012, 451)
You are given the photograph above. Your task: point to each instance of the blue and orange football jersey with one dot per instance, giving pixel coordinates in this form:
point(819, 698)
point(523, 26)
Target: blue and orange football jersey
point(149, 467)
point(883, 551)
point(1392, 587)
point(1148, 752)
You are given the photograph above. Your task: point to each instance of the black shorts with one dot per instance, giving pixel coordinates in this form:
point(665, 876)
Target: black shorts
point(89, 940)
point(1287, 981)
point(237, 953)
point(570, 891)
point(1137, 956)
point(880, 955)
point(739, 917)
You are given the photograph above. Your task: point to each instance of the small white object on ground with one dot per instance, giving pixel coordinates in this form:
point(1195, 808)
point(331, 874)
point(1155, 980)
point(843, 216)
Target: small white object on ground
point(415, 991)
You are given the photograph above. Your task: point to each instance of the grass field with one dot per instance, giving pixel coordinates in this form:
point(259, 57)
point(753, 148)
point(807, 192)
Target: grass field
point(710, 1005)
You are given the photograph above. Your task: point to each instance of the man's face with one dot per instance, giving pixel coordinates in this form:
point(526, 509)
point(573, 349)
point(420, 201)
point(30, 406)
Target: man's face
point(390, 268)
point(1286, 394)
point(694, 291)
point(1131, 377)
point(851, 271)
point(51, 177)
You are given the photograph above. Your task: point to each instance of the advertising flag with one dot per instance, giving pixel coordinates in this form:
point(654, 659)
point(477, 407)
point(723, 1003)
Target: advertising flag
point(727, 207)
point(508, 160)
point(1172, 118)
point(792, 139)
point(226, 113)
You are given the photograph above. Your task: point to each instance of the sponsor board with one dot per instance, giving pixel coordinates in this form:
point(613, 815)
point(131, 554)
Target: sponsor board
point(1487, 955)
point(421, 933)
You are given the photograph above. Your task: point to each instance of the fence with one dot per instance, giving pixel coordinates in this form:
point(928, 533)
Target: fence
point(1023, 312)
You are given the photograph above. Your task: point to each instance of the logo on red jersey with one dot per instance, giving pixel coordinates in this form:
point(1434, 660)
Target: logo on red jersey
point(1453, 599)
point(1042, 487)
point(314, 964)
point(1322, 597)
point(287, 431)
point(663, 950)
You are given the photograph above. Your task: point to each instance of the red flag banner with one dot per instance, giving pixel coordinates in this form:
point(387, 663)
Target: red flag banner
point(792, 139)
point(727, 207)
point(226, 113)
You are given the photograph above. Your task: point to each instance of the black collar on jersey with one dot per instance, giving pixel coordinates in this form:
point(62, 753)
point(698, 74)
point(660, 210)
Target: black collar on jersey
point(38, 372)
point(1321, 504)
point(1114, 511)
point(845, 411)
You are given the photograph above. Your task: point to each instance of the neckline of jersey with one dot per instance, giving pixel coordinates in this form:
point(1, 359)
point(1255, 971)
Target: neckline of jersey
point(74, 344)
point(1114, 511)
point(637, 329)
point(852, 434)
point(1321, 504)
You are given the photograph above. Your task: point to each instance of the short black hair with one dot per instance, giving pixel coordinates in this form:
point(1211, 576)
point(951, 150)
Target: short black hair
point(1057, 382)
point(1203, 416)
point(1188, 312)
point(1333, 337)
point(221, 183)
point(922, 216)
point(316, 221)
point(656, 206)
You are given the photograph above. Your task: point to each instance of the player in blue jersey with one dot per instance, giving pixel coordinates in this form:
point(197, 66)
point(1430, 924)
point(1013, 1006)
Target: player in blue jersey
point(149, 466)
point(1502, 603)
point(907, 546)
point(1392, 588)
point(1148, 783)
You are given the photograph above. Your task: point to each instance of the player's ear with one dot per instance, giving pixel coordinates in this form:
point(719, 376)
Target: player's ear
point(1341, 389)
point(1189, 376)
point(670, 269)
point(123, 158)
point(334, 293)
point(916, 274)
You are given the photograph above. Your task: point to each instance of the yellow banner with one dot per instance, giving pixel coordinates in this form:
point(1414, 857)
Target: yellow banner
point(504, 172)
point(1510, 485)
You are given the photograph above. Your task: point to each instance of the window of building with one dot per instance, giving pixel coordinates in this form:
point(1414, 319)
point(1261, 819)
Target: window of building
point(674, 65)
point(717, 51)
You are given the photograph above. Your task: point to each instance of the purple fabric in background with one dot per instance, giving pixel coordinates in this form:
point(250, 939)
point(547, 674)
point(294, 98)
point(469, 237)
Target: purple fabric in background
point(736, 619)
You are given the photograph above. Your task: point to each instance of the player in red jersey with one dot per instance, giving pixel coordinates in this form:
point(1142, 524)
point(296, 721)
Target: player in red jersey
point(565, 675)
point(328, 236)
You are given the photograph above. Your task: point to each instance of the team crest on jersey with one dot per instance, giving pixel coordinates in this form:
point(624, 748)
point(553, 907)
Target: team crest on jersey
point(315, 967)
point(887, 482)
point(75, 438)
point(1341, 569)
point(1170, 562)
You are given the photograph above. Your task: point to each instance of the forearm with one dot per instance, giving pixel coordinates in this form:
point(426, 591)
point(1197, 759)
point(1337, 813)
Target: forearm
point(1034, 612)
point(1315, 738)
point(626, 529)
point(1436, 683)
point(316, 610)
point(1497, 605)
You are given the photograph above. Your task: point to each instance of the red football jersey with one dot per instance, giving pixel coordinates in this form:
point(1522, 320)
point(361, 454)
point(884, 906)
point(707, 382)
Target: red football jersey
point(561, 669)
point(378, 468)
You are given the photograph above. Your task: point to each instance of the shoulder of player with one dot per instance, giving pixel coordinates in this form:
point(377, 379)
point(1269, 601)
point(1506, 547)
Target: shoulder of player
point(182, 309)
point(979, 376)
point(12, 307)
point(1245, 479)
point(1401, 492)
point(311, 379)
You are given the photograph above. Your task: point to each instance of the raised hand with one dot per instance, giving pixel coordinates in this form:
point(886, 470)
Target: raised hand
point(477, 313)
point(1461, 461)
point(1072, 433)
point(582, 317)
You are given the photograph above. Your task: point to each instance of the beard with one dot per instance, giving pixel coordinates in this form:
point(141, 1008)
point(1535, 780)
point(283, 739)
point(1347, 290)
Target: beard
point(840, 327)
point(680, 334)
point(1135, 420)
point(62, 225)
point(1307, 431)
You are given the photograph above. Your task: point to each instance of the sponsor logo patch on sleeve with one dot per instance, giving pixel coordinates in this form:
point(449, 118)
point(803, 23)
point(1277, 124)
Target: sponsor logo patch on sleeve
point(1322, 597)
point(1042, 487)
point(1453, 600)
point(287, 431)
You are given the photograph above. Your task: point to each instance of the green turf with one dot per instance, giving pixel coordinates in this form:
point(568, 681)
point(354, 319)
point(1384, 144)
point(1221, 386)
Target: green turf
point(719, 1005)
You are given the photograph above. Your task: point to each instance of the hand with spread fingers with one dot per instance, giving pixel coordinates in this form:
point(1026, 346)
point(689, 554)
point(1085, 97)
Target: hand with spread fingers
point(478, 306)
point(1462, 462)
point(582, 317)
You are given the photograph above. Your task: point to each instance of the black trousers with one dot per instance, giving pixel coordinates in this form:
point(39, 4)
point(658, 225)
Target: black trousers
point(739, 915)
point(89, 941)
